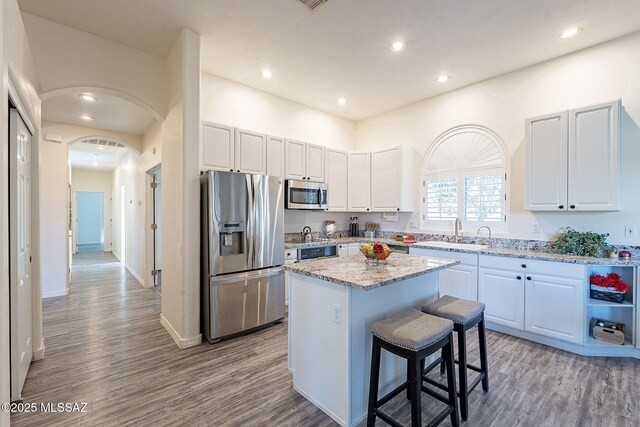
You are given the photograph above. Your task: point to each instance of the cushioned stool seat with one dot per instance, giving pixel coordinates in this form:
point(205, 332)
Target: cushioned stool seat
point(412, 329)
point(413, 336)
point(455, 309)
point(465, 315)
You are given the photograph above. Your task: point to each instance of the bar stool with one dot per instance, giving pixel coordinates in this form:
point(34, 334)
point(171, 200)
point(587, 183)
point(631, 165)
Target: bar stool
point(465, 315)
point(413, 335)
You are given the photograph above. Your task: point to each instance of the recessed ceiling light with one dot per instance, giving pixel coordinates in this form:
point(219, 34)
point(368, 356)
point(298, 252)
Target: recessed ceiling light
point(85, 117)
point(88, 97)
point(398, 46)
point(570, 32)
point(342, 100)
point(267, 73)
point(443, 78)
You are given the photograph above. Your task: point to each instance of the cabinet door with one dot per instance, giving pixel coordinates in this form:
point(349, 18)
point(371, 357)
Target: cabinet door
point(343, 250)
point(250, 152)
point(546, 163)
point(336, 171)
point(295, 159)
point(594, 160)
point(315, 163)
point(217, 147)
point(555, 307)
point(503, 294)
point(353, 249)
point(275, 156)
point(359, 184)
point(385, 180)
point(460, 281)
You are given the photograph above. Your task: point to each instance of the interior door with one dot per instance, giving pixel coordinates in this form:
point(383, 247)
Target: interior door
point(20, 251)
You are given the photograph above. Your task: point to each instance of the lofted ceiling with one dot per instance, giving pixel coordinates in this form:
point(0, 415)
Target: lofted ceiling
point(342, 48)
point(104, 156)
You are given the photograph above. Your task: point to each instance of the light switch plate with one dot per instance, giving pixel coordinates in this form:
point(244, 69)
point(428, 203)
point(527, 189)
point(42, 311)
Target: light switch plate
point(535, 228)
point(630, 231)
point(413, 223)
point(337, 314)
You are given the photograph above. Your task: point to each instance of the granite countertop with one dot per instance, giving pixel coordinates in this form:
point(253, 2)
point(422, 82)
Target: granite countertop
point(352, 271)
point(538, 255)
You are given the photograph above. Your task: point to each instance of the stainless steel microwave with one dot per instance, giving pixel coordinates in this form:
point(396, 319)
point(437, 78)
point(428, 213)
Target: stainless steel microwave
point(306, 195)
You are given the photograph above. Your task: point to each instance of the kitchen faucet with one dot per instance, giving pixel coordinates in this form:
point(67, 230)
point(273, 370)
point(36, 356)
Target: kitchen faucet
point(457, 227)
point(490, 242)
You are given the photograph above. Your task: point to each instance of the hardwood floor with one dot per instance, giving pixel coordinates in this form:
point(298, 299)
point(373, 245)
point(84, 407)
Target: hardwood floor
point(106, 347)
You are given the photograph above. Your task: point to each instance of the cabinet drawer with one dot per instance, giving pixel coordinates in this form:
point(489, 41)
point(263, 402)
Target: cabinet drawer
point(463, 257)
point(525, 265)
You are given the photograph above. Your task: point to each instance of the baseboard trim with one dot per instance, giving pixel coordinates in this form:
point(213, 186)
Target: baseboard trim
point(53, 294)
point(134, 274)
point(39, 353)
point(182, 343)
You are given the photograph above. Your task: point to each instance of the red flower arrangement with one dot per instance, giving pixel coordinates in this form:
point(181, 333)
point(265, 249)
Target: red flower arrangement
point(612, 280)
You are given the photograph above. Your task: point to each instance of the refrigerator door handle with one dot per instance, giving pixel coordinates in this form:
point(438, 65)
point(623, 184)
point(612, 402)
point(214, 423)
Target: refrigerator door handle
point(249, 232)
point(236, 277)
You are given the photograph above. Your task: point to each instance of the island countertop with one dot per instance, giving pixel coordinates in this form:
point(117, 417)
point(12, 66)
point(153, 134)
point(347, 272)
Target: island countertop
point(353, 271)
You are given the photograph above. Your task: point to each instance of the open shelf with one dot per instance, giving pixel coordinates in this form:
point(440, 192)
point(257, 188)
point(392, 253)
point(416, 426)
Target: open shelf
point(600, 303)
point(591, 341)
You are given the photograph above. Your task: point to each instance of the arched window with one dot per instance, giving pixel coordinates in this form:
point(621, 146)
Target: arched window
point(464, 177)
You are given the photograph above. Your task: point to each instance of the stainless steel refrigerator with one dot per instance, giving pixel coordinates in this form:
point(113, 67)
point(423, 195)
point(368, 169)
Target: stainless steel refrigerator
point(242, 252)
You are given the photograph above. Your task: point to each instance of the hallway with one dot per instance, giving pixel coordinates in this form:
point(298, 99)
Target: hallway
point(105, 346)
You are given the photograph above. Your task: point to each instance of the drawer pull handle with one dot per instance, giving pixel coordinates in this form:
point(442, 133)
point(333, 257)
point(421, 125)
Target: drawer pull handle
point(519, 277)
point(524, 265)
point(528, 277)
point(561, 207)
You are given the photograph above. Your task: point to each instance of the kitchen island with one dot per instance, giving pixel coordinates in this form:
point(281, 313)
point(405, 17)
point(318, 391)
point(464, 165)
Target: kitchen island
point(332, 304)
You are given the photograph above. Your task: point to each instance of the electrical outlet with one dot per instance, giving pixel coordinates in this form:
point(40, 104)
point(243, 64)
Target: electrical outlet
point(413, 223)
point(630, 231)
point(535, 228)
point(337, 314)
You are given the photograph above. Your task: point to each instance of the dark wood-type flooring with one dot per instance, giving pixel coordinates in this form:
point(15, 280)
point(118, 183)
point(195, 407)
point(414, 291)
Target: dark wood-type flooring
point(105, 346)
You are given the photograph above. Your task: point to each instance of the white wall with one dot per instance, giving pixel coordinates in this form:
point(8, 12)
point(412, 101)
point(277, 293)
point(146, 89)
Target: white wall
point(130, 174)
point(233, 104)
point(599, 74)
point(67, 58)
point(100, 181)
point(17, 66)
point(53, 200)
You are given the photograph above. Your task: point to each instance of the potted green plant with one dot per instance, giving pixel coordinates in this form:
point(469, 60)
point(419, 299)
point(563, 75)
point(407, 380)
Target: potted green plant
point(581, 243)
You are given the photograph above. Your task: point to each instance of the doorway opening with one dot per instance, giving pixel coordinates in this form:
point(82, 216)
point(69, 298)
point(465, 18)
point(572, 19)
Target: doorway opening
point(90, 218)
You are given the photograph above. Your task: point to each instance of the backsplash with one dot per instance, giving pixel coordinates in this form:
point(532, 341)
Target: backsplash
point(534, 245)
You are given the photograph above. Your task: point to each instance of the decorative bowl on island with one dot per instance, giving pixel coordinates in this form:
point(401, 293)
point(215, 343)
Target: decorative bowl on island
point(375, 252)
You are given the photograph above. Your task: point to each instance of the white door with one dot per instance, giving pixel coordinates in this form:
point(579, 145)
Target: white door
point(157, 230)
point(217, 147)
point(385, 180)
point(594, 159)
point(546, 163)
point(20, 251)
point(460, 281)
point(359, 181)
point(503, 294)
point(342, 250)
point(336, 171)
point(250, 152)
point(295, 159)
point(275, 156)
point(554, 307)
point(315, 163)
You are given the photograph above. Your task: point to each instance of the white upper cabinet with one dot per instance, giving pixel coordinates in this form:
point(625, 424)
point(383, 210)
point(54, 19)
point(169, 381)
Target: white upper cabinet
point(392, 179)
point(359, 181)
point(594, 158)
point(217, 147)
point(573, 160)
point(546, 157)
point(250, 152)
point(315, 163)
point(336, 173)
point(275, 156)
point(295, 163)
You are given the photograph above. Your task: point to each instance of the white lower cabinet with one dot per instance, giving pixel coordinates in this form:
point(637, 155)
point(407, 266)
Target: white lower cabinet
point(554, 307)
point(503, 294)
point(460, 281)
point(342, 249)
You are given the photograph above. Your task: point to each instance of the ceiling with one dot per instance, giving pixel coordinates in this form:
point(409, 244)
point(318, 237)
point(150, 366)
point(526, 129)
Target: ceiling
point(342, 49)
point(109, 112)
point(91, 156)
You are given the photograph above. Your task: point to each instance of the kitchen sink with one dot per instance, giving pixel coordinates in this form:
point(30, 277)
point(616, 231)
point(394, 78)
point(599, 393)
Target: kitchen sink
point(449, 245)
